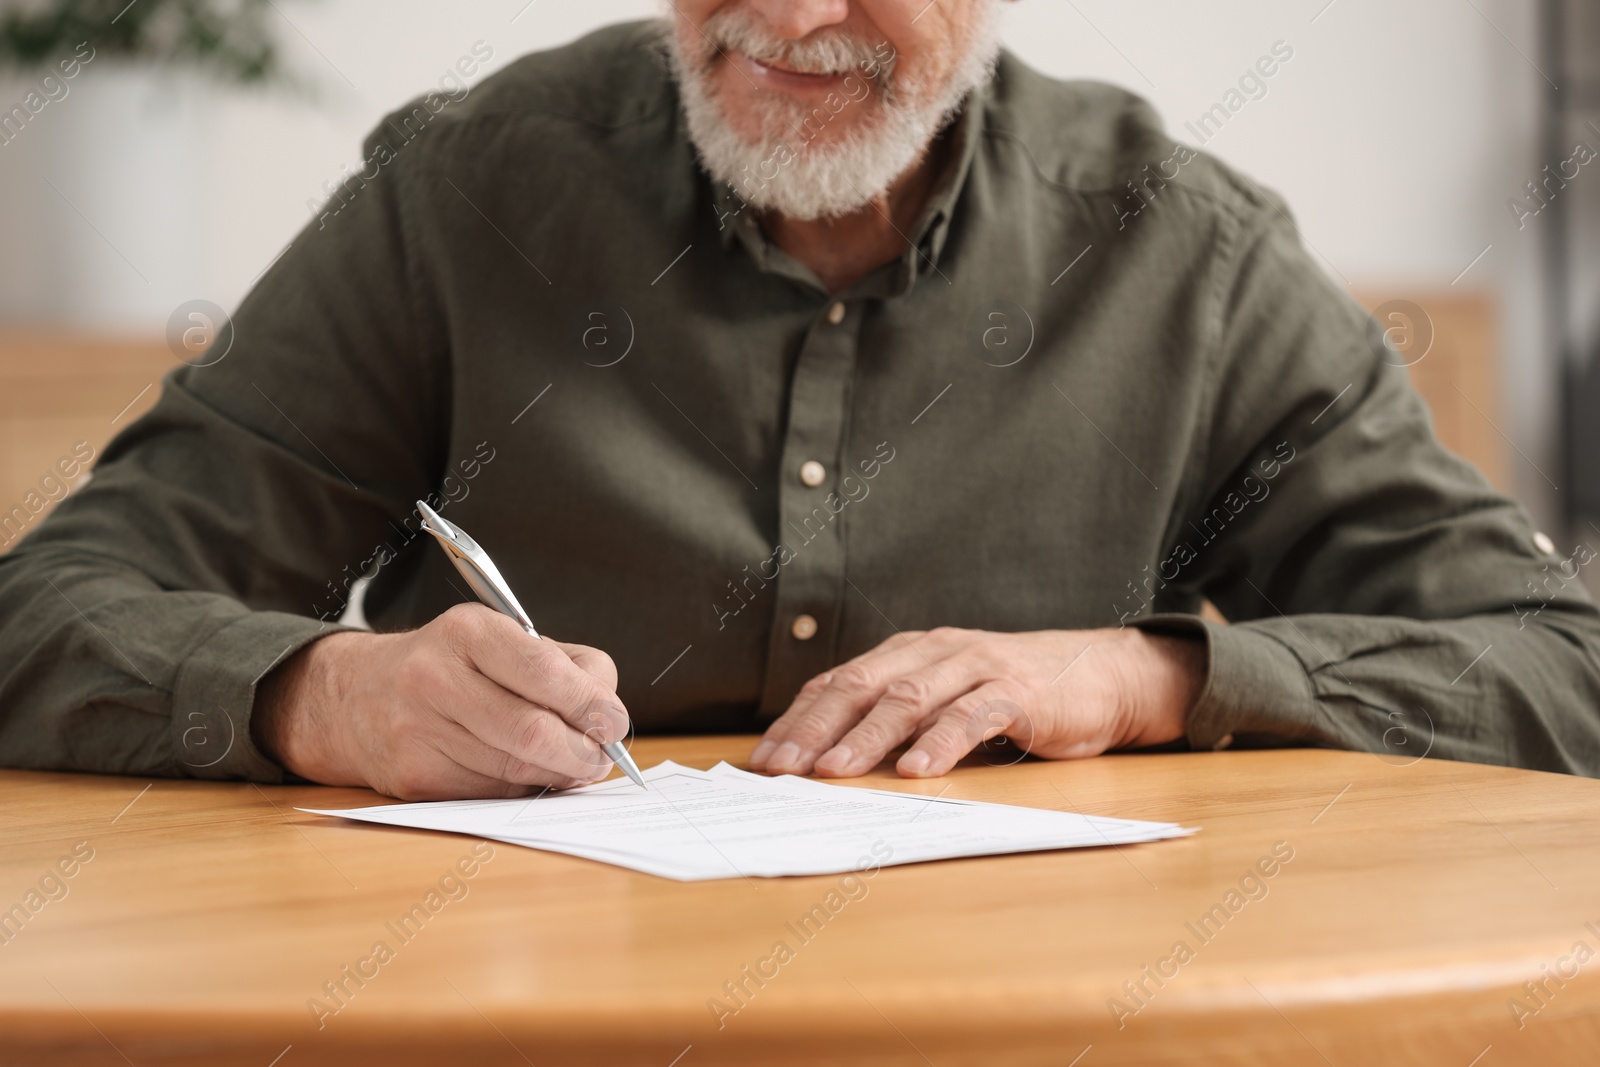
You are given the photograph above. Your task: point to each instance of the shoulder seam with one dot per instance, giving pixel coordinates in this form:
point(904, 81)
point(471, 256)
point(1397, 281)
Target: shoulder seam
point(535, 111)
point(1241, 212)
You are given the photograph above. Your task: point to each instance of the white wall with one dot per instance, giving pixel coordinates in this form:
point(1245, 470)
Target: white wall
point(1397, 133)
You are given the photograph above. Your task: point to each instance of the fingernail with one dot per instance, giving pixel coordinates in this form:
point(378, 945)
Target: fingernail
point(914, 762)
point(763, 750)
point(787, 756)
point(837, 759)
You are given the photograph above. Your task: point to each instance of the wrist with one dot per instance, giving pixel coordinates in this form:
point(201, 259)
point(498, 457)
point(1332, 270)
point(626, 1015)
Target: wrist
point(292, 706)
point(1163, 689)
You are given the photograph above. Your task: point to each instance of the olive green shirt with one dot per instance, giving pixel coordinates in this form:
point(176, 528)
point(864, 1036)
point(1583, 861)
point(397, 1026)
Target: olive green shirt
point(1103, 383)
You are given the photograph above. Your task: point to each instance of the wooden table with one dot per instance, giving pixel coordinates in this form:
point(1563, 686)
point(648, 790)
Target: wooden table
point(60, 394)
point(1418, 901)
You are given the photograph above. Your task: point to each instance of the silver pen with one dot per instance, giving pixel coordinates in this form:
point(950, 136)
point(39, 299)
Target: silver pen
point(484, 578)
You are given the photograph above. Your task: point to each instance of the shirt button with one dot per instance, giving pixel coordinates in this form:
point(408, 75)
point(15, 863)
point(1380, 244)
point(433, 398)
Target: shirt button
point(804, 627)
point(813, 473)
point(836, 313)
point(1542, 542)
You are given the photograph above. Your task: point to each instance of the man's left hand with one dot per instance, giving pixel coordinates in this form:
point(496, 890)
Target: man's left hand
point(1060, 694)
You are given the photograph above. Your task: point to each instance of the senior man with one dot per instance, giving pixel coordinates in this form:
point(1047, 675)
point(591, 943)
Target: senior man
point(811, 366)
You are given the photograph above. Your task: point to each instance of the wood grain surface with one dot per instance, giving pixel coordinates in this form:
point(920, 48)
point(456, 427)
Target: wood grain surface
point(1418, 900)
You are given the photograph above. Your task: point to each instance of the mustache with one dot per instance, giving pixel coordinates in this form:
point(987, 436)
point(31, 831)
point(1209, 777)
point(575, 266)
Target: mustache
point(834, 51)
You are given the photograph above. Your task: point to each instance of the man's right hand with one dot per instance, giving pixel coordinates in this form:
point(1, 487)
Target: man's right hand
point(468, 706)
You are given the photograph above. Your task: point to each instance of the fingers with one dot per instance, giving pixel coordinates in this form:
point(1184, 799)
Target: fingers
point(591, 661)
point(963, 725)
point(511, 739)
point(540, 672)
point(827, 706)
point(907, 703)
point(778, 731)
point(807, 696)
point(773, 739)
point(831, 704)
point(422, 771)
point(547, 763)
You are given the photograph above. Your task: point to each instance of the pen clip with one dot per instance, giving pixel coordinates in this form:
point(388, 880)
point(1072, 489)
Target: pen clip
point(475, 566)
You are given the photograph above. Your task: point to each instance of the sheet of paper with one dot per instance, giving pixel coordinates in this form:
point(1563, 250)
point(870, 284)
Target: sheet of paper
point(693, 825)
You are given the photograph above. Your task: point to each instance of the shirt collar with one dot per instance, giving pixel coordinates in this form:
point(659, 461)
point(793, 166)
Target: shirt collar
point(739, 221)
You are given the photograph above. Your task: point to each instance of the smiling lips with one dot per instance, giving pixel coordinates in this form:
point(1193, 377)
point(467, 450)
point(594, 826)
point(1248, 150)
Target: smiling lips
point(779, 76)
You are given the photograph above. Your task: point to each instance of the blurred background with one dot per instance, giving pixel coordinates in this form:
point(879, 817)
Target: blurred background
point(1442, 158)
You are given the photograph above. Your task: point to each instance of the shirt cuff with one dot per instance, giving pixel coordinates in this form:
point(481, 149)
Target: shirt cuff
point(216, 691)
point(1255, 685)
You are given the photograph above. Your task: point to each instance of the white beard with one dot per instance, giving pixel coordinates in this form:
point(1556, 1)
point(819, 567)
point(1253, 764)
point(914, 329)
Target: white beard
point(788, 169)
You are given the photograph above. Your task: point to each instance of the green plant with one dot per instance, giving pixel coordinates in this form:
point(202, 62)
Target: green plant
point(227, 38)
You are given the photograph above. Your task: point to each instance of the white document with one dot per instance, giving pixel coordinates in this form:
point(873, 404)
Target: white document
point(693, 825)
